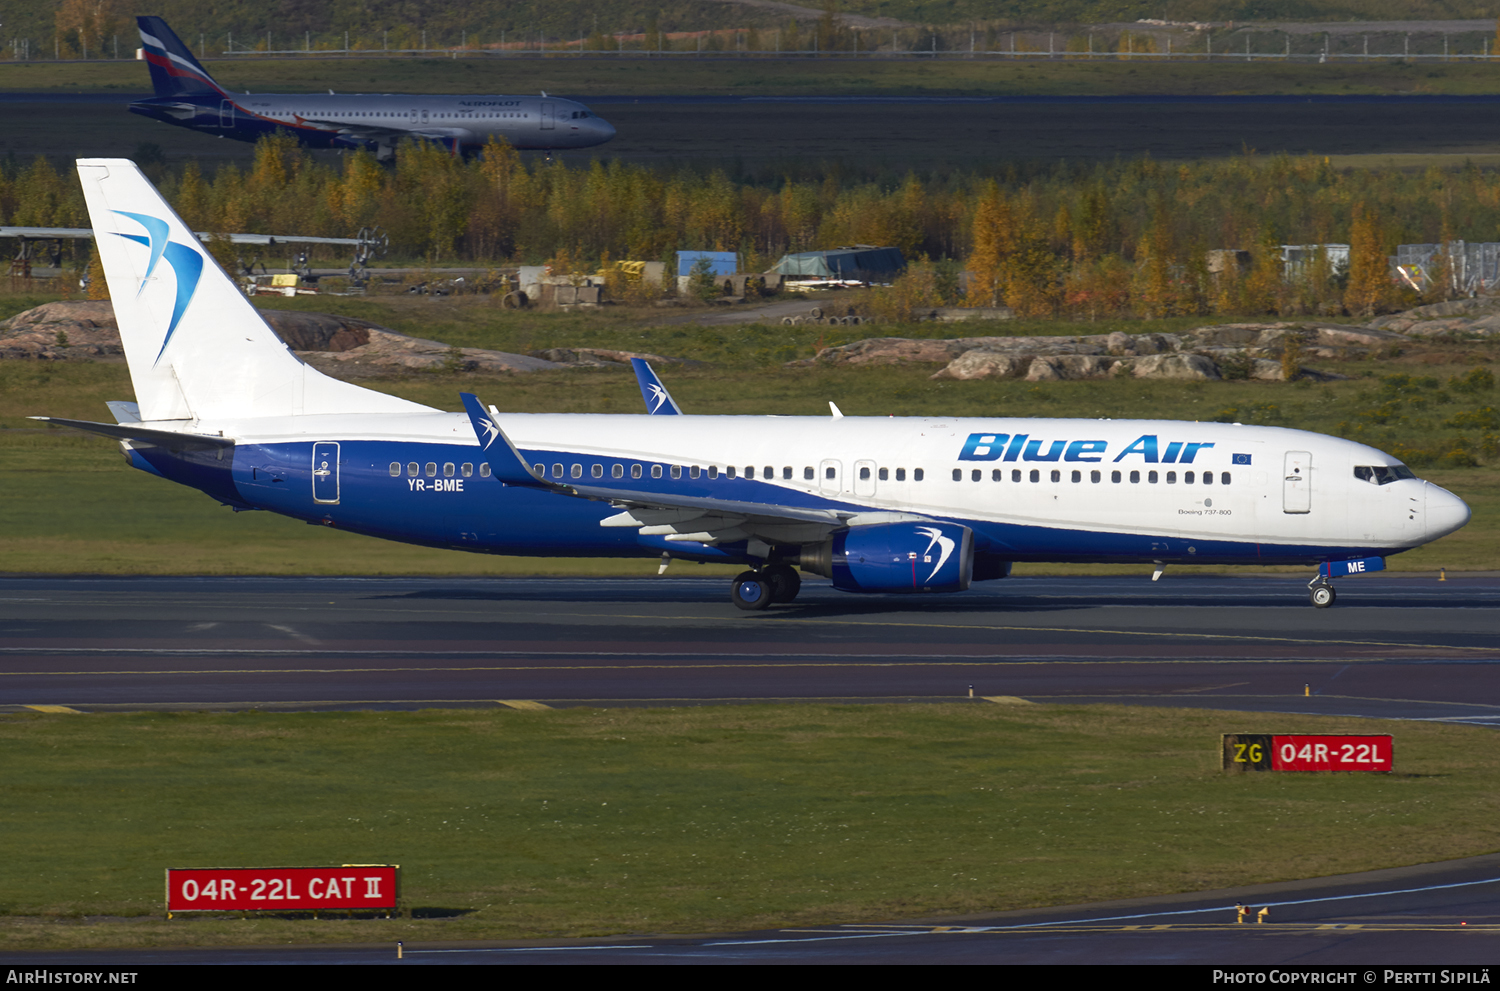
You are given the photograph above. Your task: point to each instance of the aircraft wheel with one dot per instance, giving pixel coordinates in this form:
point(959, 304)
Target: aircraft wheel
point(784, 581)
point(1322, 596)
point(751, 591)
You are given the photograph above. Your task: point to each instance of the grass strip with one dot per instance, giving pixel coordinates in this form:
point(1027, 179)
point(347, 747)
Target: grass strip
point(575, 822)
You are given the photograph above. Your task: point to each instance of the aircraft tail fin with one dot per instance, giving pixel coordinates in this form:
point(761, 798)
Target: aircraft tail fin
point(174, 71)
point(659, 401)
point(195, 345)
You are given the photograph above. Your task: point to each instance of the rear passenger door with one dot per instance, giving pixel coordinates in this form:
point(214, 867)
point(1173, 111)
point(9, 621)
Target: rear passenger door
point(325, 474)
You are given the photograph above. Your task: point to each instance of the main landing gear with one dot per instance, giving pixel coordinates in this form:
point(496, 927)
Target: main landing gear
point(1320, 593)
point(755, 590)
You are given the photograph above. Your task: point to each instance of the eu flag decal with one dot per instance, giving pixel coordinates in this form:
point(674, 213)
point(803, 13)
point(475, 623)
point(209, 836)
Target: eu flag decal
point(1241, 459)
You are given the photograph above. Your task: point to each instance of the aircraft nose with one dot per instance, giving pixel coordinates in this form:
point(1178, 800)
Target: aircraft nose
point(1446, 512)
point(603, 129)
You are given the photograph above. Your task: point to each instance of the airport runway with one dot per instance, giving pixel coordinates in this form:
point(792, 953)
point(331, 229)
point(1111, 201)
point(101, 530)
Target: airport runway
point(876, 132)
point(1401, 647)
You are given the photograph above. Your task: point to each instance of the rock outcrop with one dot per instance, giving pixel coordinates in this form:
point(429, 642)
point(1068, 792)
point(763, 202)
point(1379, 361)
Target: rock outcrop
point(1218, 351)
point(1479, 317)
point(344, 347)
point(83, 329)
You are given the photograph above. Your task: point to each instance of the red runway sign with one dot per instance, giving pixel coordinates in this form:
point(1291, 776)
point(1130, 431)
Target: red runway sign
point(241, 889)
point(1266, 752)
point(1331, 753)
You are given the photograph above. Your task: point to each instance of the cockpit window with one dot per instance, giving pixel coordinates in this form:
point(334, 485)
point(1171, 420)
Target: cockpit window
point(1382, 474)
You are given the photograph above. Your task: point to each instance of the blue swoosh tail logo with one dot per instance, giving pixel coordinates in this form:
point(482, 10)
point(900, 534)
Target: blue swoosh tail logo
point(186, 264)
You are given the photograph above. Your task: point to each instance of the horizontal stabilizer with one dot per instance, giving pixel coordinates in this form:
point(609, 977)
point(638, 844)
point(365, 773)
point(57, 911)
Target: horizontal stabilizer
point(134, 431)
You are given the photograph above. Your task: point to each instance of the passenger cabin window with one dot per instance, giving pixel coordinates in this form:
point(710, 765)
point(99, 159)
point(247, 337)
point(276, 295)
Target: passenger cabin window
point(900, 474)
point(618, 471)
point(467, 469)
point(432, 469)
point(807, 474)
point(916, 474)
point(395, 468)
point(656, 471)
point(484, 470)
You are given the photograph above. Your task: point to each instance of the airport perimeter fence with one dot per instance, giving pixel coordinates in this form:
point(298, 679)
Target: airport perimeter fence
point(1243, 44)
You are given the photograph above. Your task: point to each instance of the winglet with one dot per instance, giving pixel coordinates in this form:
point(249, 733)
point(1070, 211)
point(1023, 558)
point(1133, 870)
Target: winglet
point(506, 464)
point(659, 401)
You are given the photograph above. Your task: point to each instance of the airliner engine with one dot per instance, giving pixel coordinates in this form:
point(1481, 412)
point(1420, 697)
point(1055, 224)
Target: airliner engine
point(895, 557)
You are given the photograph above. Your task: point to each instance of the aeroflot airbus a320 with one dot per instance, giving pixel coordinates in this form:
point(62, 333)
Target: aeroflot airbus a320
point(187, 96)
point(910, 504)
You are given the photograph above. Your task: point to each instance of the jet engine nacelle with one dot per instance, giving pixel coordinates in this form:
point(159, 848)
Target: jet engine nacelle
point(895, 557)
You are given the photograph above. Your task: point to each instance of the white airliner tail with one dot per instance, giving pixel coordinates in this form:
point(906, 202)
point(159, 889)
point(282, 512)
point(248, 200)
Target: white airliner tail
point(196, 346)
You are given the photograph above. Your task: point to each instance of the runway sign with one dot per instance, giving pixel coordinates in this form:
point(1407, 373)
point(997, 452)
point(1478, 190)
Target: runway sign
point(1269, 752)
point(282, 889)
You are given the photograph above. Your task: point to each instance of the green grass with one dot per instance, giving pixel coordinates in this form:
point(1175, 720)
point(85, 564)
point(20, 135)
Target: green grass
point(582, 822)
point(729, 77)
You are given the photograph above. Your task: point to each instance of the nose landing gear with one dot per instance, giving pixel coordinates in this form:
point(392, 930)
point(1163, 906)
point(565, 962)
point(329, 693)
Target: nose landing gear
point(1320, 593)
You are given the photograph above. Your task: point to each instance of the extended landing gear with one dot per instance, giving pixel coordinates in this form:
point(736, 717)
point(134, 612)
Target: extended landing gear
point(753, 590)
point(1320, 593)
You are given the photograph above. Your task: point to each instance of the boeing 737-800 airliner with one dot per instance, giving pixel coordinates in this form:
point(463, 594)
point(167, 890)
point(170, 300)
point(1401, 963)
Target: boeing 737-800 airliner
point(186, 95)
point(875, 504)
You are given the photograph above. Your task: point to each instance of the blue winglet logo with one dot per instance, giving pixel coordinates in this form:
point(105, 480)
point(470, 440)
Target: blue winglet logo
point(186, 263)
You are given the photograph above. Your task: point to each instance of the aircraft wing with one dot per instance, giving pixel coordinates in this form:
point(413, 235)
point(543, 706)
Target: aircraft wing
point(697, 519)
point(376, 132)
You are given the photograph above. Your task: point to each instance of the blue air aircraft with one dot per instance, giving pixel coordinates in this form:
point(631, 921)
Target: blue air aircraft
point(874, 504)
point(187, 96)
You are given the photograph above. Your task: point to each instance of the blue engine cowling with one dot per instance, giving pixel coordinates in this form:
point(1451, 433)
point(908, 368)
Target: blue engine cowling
point(896, 557)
